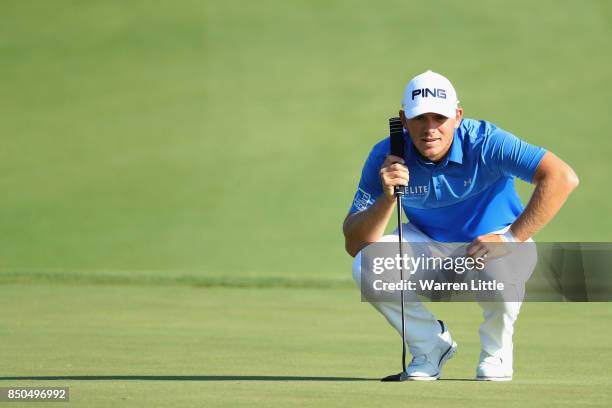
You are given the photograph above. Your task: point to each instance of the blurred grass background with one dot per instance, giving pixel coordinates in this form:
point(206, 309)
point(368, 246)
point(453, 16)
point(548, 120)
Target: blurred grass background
point(156, 145)
point(219, 142)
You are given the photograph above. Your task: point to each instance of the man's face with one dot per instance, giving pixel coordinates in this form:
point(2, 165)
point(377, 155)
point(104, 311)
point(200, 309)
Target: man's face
point(432, 133)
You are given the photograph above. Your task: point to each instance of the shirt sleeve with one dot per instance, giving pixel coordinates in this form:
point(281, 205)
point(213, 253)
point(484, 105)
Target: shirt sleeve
point(370, 187)
point(510, 156)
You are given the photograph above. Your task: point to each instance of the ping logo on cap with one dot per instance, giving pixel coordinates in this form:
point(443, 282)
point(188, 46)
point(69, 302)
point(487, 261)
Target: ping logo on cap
point(425, 92)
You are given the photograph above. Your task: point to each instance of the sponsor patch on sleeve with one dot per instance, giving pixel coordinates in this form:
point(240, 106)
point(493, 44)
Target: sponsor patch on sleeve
point(362, 200)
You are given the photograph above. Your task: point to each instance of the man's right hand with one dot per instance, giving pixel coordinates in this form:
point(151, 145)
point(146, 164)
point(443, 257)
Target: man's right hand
point(393, 173)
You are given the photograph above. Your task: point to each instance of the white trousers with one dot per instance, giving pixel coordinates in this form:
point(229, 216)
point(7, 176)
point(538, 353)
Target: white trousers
point(422, 326)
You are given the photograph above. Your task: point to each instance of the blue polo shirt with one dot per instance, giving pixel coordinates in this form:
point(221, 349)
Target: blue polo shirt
point(469, 193)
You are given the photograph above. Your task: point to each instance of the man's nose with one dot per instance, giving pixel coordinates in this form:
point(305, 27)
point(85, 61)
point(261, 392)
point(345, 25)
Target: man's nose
point(431, 123)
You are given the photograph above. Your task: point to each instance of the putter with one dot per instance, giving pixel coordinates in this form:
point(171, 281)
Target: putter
point(397, 149)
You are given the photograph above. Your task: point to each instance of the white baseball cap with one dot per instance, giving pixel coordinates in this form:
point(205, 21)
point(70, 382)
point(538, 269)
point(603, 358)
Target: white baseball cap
point(429, 92)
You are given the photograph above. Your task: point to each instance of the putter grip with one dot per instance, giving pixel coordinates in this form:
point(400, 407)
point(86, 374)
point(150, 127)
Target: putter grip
point(397, 145)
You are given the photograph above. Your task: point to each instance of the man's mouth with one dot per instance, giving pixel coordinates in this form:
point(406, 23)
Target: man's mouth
point(430, 139)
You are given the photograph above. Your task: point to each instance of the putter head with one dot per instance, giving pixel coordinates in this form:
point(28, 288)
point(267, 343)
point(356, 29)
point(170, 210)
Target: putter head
point(396, 377)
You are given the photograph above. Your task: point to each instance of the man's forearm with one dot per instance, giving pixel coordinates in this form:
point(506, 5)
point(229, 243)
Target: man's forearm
point(365, 227)
point(553, 186)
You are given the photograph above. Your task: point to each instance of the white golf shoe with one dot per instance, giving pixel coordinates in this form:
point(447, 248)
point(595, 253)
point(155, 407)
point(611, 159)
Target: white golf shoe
point(493, 368)
point(428, 367)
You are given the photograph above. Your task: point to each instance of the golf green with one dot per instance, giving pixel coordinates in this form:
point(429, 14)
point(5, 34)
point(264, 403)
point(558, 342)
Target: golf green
point(185, 346)
point(174, 176)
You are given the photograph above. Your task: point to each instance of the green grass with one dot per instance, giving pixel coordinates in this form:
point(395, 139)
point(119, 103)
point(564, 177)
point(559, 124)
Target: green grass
point(226, 138)
point(177, 346)
point(157, 155)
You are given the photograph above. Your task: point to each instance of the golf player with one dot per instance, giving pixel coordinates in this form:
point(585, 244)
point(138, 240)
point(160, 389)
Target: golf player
point(460, 175)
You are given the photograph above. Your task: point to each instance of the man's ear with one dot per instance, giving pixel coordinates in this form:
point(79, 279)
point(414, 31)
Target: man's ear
point(458, 117)
point(403, 119)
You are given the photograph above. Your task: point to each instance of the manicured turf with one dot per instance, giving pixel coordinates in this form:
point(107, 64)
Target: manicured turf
point(181, 346)
point(174, 175)
point(226, 138)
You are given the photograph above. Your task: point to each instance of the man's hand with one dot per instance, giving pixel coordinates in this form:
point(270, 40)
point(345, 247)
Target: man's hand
point(393, 173)
point(489, 246)
point(365, 227)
